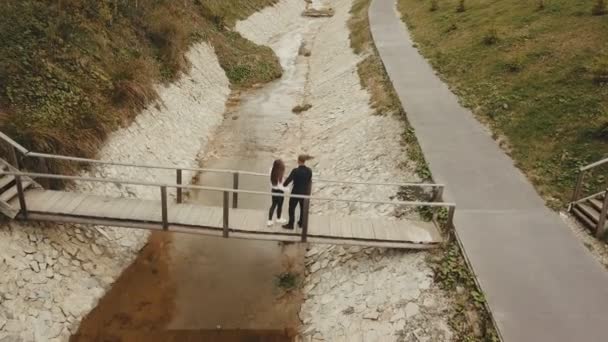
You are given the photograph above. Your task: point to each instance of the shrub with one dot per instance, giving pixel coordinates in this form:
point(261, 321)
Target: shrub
point(460, 7)
point(451, 28)
point(599, 70)
point(513, 65)
point(601, 133)
point(434, 5)
point(301, 108)
point(491, 37)
point(170, 37)
point(133, 81)
point(599, 8)
point(541, 5)
point(287, 281)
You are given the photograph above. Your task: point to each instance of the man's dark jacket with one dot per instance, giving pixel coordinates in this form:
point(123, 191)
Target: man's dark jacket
point(301, 177)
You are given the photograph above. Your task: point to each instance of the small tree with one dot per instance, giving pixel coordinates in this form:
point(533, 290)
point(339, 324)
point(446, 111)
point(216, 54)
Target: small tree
point(460, 7)
point(434, 5)
point(599, 8)
point(541, 5)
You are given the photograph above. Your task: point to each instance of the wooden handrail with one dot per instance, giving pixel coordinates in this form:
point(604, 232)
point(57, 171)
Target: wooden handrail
point(219, 189)
point(601, 222)
point(32, 154)
point(578, 187)
point(227, 171)
point(16, 147)
point(593, 165)
point(13, 143)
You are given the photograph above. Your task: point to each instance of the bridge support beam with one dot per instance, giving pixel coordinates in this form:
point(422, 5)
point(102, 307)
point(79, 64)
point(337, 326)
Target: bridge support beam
point(235, 186)
point(21, 196)
point(599, 232)
point(226, 213)
point(163, 201)
point(179, 182)
point(305, 211)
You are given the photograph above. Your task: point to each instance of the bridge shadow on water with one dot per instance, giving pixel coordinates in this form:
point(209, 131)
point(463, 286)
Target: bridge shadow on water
point(193, 335)
point(144, 303)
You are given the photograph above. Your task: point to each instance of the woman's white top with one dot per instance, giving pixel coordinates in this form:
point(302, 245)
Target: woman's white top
point(279, 185)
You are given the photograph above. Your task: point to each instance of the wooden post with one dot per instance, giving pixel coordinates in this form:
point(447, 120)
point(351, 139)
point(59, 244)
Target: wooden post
point(579, 186)
point(438, 194)
point(451, 211)
point(179, 182)
point(44, 169)
point(305, 209)
point(13, 154)
point(235, 186)
point(21, 196)
point(18, 158)
point(601, 222)
point(163, 201)
point(226, 213)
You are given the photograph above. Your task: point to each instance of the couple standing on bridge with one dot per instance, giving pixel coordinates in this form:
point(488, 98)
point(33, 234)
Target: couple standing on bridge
point(301, 177)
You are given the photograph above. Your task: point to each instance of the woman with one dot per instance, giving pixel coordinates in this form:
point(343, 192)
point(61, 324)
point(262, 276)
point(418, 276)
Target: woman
point(276, 183)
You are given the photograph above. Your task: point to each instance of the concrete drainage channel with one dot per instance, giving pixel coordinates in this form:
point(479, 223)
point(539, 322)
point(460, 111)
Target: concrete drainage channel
point(179, 286)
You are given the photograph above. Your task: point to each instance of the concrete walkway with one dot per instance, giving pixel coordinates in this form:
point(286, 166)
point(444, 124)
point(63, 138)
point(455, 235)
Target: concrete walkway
point(540, 282)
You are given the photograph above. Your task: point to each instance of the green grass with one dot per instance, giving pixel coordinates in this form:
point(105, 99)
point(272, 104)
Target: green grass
point(71, 71)
point(287, 281)
point(536, 76)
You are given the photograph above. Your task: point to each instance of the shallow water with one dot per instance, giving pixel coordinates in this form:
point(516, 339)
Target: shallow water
point(238, 277)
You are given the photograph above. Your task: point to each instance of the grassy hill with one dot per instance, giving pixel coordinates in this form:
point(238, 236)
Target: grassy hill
point(535, 71)
point(71, 71)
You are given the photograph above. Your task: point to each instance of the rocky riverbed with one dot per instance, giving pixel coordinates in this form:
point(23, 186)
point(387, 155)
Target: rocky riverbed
point(353, 294)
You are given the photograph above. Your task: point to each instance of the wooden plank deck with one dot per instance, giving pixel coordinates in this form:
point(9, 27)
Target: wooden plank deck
point(47, 205)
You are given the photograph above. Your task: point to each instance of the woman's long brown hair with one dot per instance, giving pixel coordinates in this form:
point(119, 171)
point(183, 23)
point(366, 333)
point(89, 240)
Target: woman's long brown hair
point(278, 170)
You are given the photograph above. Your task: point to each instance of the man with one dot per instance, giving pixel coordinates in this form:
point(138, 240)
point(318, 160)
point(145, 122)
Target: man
point(302, 184)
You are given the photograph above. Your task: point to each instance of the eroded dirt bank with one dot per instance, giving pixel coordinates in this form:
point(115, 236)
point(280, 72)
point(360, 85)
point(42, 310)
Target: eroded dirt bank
point(53, 275)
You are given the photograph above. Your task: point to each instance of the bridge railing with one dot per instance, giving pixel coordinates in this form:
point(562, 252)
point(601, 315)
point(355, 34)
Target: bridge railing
point(18, 153)
point(577, 195)
point(225, 203)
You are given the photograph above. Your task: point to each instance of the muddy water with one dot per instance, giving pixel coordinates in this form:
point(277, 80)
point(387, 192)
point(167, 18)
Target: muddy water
point(237, 278)
point(188, 287)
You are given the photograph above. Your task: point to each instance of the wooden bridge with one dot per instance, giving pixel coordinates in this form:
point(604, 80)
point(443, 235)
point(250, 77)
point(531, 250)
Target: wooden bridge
point(23, 198)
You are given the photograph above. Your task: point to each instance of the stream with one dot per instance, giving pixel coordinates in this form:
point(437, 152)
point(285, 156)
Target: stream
point(192, 286)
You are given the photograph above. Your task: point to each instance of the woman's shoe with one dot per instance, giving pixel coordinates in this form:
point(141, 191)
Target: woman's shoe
point(270, 223)
point(281, 221)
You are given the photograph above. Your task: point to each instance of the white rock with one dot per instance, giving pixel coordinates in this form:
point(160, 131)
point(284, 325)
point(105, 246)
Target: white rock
point(76, 305)
point(411, 309)
point(39, 257)
point(397, 316)
point(96, 249)
point(371, 314)
point(34, 266)
point(429, 302)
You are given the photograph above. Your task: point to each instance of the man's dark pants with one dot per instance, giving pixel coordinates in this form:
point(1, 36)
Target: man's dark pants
point(293, 202)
